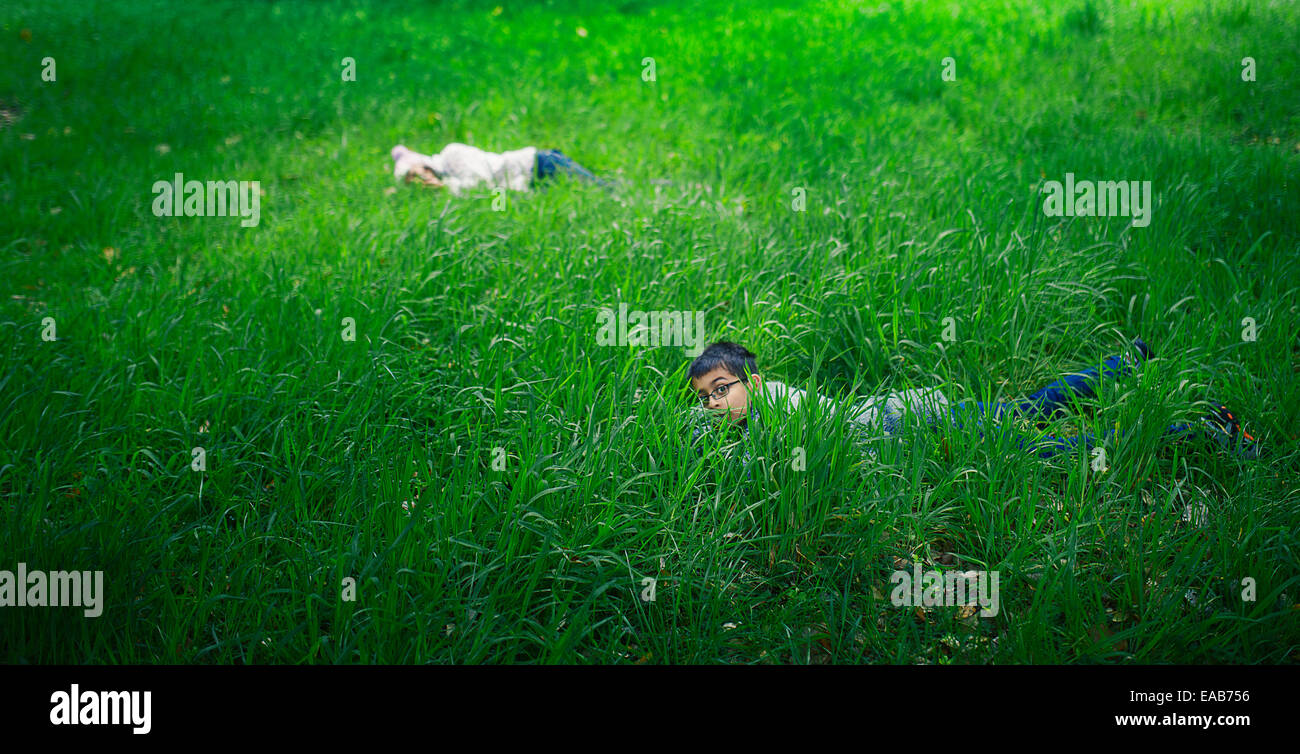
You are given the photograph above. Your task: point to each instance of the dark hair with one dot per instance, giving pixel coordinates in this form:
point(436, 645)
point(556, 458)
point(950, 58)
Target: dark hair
point(733, 357)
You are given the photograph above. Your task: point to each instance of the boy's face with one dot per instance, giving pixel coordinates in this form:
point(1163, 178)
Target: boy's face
point(425, 175)
point(735, 402)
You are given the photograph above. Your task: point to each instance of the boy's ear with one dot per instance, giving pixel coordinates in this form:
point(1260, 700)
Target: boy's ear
point(757, 379)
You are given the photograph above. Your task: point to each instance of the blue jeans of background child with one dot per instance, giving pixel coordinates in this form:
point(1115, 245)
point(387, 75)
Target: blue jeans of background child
point(551, 162)
point(1052, 400)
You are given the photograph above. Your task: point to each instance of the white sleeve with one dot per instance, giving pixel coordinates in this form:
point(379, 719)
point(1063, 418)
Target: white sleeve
point(519, 181)
point(927, 402)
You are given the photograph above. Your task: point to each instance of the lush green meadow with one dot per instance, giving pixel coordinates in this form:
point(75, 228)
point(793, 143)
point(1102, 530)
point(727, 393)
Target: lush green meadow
point(497, 484)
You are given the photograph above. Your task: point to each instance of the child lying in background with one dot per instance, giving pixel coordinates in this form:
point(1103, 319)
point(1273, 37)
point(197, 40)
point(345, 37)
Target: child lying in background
point(460, 168)
point(725, 378)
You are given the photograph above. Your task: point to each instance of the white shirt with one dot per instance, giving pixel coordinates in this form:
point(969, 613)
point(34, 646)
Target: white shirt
point(462, 167)
point(883, 413)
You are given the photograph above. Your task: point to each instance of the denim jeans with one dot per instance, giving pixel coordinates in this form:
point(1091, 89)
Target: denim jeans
point(1052, 401)
point(552, 162)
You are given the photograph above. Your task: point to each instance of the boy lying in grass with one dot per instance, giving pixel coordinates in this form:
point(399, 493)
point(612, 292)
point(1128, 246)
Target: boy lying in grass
point(460, 168)
point(725, 378)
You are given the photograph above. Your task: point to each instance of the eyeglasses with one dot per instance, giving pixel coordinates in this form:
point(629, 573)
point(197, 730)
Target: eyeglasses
point(719, 392)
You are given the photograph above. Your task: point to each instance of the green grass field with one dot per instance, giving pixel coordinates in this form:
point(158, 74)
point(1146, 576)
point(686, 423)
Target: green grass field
point(545, 476)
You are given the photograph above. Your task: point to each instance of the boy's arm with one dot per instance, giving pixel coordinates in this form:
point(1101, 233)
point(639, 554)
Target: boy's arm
point(455, 186)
